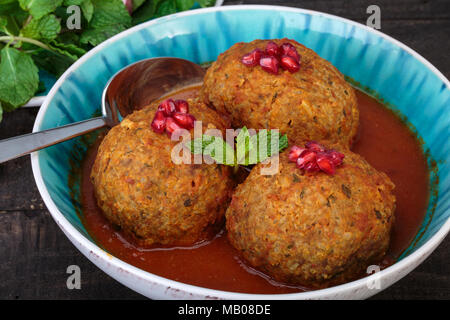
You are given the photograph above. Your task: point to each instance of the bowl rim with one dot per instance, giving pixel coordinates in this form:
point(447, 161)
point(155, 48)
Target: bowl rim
point(78, 239)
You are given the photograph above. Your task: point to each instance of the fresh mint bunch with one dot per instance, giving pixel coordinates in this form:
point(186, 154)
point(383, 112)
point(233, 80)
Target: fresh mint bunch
point(34, 35)
point(249, 149)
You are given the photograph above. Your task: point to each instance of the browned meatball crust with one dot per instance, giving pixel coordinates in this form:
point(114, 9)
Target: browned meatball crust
point(313, 229)
point(314, 103)
point(140, 189)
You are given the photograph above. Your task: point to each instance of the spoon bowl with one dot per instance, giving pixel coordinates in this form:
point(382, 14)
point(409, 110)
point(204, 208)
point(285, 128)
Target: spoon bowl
point(130, 89)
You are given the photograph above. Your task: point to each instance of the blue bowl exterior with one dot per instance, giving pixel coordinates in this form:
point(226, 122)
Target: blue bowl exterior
point(410, 86)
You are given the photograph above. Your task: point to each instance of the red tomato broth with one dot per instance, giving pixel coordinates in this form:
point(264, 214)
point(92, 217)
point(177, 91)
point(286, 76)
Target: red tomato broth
point(383, 140)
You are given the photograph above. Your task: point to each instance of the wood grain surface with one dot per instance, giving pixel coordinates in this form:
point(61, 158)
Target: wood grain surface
point(34, 253)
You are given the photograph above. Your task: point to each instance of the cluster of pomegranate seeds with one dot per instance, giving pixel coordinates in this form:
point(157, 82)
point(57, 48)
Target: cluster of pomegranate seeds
point(172, 115)
point(314, 157)
point(284, 56)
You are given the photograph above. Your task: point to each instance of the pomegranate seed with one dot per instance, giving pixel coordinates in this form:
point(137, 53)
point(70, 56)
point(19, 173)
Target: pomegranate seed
point(159, 122)
point(325, 164)
point(288, 49)
point(316, 158)
point(294, 153)
point(269, 64)
point(171, 125)
point(290, 64)
point(185, 120)
point(272, 49)
point(306, 157)
point(312, 145)
point(335, 156)
point(182, 106)
point(168, 107)
point(312, 167)
point(252, 59)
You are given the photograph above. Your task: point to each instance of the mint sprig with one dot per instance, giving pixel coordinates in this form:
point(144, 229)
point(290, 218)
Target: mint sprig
point(249, 148)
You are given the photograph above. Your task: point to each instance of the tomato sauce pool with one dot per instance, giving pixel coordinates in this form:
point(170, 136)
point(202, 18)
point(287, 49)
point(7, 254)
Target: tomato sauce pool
point(383, 140)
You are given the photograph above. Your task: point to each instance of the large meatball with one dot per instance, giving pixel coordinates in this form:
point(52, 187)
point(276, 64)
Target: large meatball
point(142, 191)
point(313, 229)
point(314, 103)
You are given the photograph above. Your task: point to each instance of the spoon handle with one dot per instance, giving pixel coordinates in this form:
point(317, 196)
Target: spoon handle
point(21, 145)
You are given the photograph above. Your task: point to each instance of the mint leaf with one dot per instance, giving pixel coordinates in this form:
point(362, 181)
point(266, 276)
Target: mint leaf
point(46, 28)
point(68, 3)
point(206, 3)
point(137, 4)
point(267, 142)
point(10, 25)
point(183, 5)
point(67, 49)
point(215, 147)
point(100, 34)
point(198, 146)
point(221, 152)
point(68, 38)
point(145, 12)
point(166, 7)
point(109, 13)
point(52, 62)
point(18, 77)
point(88, 9)
point(246, 148)
point(39, 8)
point(3, 23)
point(10, 7)
point(109, 18)
point(61, 56)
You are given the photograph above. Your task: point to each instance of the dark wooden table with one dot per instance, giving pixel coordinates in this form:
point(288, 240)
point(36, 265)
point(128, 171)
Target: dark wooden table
point(35, 254)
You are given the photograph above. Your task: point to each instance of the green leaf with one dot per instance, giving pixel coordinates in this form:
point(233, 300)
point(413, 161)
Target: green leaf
point(51, 62)
point(10, 7)
point(109, 13)
point(198, 146)
point(1, 112)
point(18, 77)
point(39, 8)
point(67, 49)
point(9, 25)
point(273, 142)
point(183, 5)
point(46, 28)
point(206, 3)
point(68, 38)
point(138, 3)
point(244, 147)
point(61, 56)
point(88, 9)
point(68, 3)
point(109, 18)
point(215, 147)
point(3, 23)
point(100, 34)
point(145, 12)
point(221, 152)
point(166, 7)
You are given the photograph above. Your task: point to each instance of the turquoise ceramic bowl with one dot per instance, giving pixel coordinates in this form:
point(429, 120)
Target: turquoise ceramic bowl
point(398, 74)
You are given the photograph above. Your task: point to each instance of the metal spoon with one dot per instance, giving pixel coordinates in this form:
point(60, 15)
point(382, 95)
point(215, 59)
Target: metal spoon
point(132, 88)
